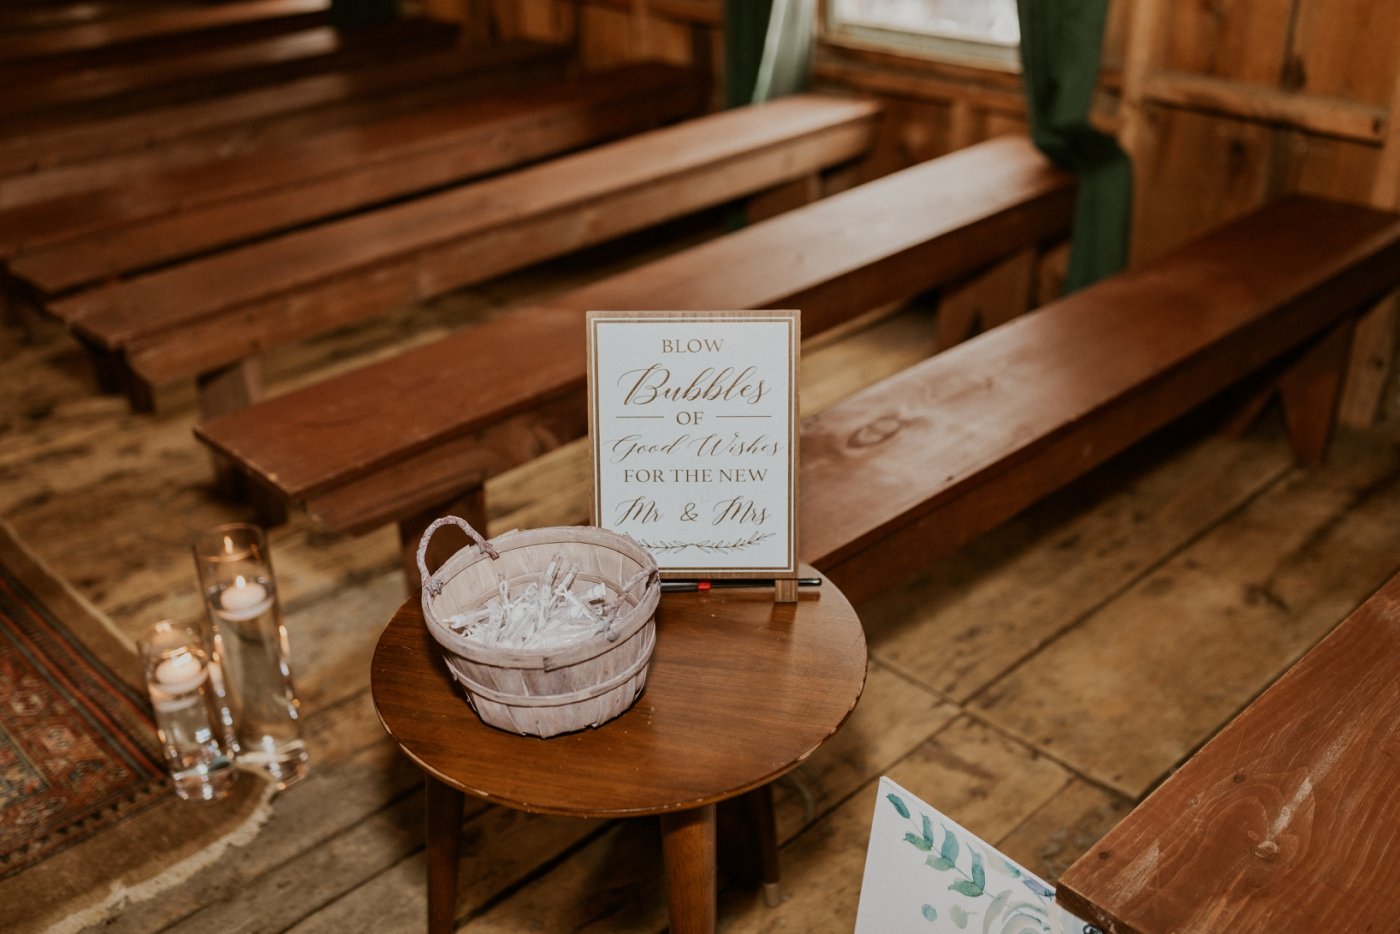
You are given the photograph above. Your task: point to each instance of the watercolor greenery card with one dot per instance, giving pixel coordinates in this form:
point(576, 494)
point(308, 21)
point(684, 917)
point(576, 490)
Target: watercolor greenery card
point(925, 874)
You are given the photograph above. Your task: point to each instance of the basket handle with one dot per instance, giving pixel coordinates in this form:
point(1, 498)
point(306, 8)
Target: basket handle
point(625, 591)
point(432, 585)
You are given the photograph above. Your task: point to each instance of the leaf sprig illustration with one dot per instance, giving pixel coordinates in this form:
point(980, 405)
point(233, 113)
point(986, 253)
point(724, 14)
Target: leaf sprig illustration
point(1008, 910)
point(709, 546)
point(973, 882)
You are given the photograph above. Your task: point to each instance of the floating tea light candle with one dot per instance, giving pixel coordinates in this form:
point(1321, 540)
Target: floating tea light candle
point(180, 673)
point(251, 649)
point(244, 599)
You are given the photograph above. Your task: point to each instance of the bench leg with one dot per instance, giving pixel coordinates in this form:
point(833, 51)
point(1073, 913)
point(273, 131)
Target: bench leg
point(444, 837)
point(1246, 406)
point(109, 371)
point(270, 507)
point(688, 849)
point(140, 394)
point(1372, 361)
point(476, 25)
point(231, 388)
point(1310, 388)
point(113, 375)
point(24, 314)
point(223, 391)
point(228, 478)
point(471, 506)
point(1050, 270)
point(9, 303)
point(775, 201)
point(990, 298)
point(702, 58)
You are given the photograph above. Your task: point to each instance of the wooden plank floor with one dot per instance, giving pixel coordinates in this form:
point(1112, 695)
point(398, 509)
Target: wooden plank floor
point(1032, 685)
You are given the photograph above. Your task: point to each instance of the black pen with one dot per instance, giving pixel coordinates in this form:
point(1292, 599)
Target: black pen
point(728, 582)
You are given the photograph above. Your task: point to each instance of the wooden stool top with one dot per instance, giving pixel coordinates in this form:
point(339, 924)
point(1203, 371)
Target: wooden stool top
point(740, 691)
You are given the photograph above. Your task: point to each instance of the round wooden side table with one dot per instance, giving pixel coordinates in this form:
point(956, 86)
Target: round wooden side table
point(740, 691)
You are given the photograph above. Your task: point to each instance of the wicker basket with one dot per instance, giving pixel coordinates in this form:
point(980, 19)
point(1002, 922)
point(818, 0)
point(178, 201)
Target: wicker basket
point(544, 693)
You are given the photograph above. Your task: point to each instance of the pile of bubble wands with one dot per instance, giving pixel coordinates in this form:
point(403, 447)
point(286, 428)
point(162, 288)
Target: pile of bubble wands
point(544, 614)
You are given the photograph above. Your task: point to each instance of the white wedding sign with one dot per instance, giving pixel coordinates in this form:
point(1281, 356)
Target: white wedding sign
point(693, 420)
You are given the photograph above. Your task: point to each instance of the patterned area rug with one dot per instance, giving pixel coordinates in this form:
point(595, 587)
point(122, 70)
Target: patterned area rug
point(77, 749)
point(88, 817)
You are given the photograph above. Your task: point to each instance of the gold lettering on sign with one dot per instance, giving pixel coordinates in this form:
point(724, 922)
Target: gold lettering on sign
point(725, 384)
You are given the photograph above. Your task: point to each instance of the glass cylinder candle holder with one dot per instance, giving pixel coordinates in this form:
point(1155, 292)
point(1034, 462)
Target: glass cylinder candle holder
point(251, 646)
point(193, 735)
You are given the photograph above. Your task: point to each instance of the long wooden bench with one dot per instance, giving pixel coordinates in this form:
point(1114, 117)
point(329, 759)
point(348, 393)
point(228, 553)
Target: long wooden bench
point(34, 79)
point(922, 462)
point(153, 221)
point(36, 17)
point(1288, 820)
point(204, 317)
point(185, 74)
point(406, 439)
point(101, 151)
point(172, 24)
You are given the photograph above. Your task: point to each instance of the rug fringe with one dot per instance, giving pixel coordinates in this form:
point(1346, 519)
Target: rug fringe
point(121, 895)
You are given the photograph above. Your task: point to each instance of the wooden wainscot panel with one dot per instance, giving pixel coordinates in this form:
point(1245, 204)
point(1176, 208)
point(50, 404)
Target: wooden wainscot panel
point(1214, 169)
point(1238, 41)
point(1348, 49)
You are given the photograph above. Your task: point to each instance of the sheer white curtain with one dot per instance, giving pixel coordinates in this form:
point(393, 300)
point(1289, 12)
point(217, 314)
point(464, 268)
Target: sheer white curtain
point(787, 49)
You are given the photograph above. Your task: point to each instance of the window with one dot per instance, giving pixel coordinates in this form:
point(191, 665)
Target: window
point(974, 31)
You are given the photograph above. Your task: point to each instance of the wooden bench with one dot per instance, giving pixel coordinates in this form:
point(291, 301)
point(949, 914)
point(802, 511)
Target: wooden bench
point(210, 317)
point(35, 17)
point(1288, 820)
point(922, 462)
point(185, 74)
point(99, 151)
point(114, 233)
point(140, 29)
point(412, 437)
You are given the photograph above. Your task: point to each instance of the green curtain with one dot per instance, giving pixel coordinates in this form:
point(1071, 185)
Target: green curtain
point(1060, 47)
point(347, 14)
point(745, 28)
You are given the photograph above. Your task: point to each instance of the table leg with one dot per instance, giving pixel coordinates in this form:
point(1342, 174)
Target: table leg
point(758, 808)
point(444, 835)
point(748, 842)
point(688, 846)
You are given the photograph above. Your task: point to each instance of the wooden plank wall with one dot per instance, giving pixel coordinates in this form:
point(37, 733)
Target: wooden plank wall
point(1224, 104)
point(605, 32)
